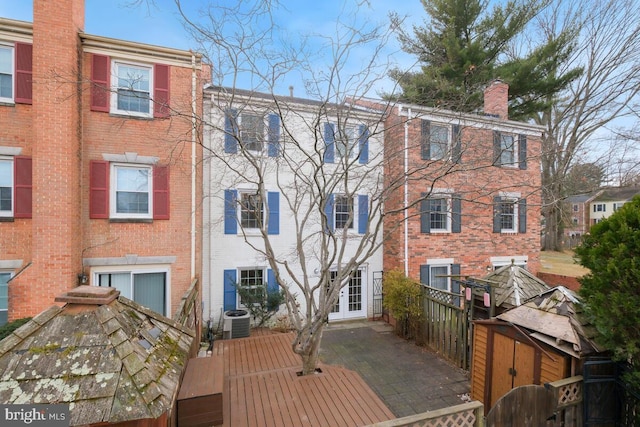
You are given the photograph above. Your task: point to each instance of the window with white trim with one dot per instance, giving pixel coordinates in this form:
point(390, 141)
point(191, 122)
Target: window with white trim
point(147, 288)
point(252, 131)
point(347, 145)
point(251, 210)
point(439, 208)
point(131, 89)
point(508, 208)
point(439, 277)
point(6, 186)
point(439, 141)
point(6, 73)
point(253, 281)
point(508, 152)
point(131, 191)
point(599, 207)
point(343, 212)
point(4, 296)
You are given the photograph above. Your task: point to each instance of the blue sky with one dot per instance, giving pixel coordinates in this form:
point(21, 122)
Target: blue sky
point(160, 24)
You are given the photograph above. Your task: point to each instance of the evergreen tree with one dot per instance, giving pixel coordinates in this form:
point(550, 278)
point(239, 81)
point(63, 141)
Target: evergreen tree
point(464, 46)
point(611, 291)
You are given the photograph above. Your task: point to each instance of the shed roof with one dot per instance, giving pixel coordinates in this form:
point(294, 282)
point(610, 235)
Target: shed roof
point(555, 318)
point(113, 362)
point(513, 285)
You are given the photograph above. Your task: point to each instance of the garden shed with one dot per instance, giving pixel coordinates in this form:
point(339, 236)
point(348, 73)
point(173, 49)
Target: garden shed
point(543, 340)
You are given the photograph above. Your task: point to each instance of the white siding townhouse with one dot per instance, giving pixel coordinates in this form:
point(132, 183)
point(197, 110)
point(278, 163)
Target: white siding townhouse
point(278, 205)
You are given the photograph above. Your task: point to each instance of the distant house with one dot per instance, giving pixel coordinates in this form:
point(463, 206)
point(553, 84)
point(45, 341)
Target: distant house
point(110, 359)
point(608, 201)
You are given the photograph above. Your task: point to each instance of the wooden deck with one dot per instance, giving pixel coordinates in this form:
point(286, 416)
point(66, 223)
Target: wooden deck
point(262, 388)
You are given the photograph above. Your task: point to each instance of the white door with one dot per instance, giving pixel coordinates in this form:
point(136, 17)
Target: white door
point(352, 302)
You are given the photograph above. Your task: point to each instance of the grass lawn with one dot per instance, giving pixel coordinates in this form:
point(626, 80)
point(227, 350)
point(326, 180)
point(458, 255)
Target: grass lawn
point(561, 263)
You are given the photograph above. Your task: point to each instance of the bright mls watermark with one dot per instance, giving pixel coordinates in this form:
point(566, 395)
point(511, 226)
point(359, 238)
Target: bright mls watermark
point(34, 415)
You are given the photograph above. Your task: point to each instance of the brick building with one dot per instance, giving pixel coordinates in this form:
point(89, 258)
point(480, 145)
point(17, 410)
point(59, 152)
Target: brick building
point(99, 163)
point(471, 185)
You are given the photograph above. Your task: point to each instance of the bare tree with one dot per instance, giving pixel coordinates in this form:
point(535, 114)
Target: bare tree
point(320, 256)
point(608, 50)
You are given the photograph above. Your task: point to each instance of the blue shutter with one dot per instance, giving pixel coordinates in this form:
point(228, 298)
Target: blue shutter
point(522, 216)
point(424, 274)
point(229, 289)
point(455, 285)
point(456, 214)
point(522, 151)
point(273, 202)
point(272, 284)
point(273, 140)
point(497, 211)
point(231, 131)
point(328, 211)
point(425, 142)
point(363, 213)
point(363, 142)
point(329, 140)
point(230, 213)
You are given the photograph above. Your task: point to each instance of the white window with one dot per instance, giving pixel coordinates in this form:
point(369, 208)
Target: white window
point(508, 152)
point(439, 277)
point(439, 208)
point(617, 206)
point(252, 128)
point(347, 142)
point(251, 210)
point(131, 191)
point(147, 288)
point(253, 281)
point(501, 261)
point(131, 89)
point(6, 187)
point(599, 207)
point(508, 211)
point(4, 296)
point(343, 212)
point(439, 142)
point(6, 73)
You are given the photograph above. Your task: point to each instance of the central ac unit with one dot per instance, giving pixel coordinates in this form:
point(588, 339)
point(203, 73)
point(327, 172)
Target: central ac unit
point(236, 324)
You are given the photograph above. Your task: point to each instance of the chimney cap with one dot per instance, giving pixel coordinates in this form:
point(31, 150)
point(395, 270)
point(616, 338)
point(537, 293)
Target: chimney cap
point(86, 294)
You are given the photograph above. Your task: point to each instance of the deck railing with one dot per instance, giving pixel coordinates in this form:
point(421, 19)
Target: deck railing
point(465, 415)
point(568, 396)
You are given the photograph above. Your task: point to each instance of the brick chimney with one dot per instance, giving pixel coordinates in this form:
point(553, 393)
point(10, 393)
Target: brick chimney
point(56, 223)
point(496, 99)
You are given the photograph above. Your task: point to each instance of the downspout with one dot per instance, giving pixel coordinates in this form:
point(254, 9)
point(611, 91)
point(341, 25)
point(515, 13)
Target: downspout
point(194, 147)
point(406, 191)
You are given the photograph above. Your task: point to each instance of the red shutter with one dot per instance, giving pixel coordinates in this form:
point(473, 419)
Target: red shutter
point(161, 192)
point(24, 73)
point(98, 189)
point(161, 90)
point(22, 181)
point(100, 66)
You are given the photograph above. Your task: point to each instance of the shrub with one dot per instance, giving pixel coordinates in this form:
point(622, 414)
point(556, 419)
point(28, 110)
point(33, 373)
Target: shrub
point(8, 328)
point(261, 305)
point(403, 298)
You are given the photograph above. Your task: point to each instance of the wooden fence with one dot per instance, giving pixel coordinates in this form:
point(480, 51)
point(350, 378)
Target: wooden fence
point(465, 415)
point(446, 327)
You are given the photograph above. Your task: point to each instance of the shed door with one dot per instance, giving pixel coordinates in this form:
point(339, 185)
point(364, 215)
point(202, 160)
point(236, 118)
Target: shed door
point(512, 366)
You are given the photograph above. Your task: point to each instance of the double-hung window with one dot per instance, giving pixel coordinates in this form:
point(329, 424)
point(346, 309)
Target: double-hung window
point(441, 213)
point(132, 89)
point(146, 288)
point(4, 297)
point(252, 131)
point(347, 142)
point(132, 191)
point(509, 214)
point(599, 207)
point(6, 187)
point(251, 210)
point(343, 212)
point(6, 73)
point(440, 274)
point(435, 141)
point(509, 150)
point(254, 283)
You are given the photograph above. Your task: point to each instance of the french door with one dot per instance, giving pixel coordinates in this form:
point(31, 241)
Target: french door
point(352, 302)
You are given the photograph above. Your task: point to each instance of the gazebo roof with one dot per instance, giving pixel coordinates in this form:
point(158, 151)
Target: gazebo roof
point(110, 359)
point(555, 318)
point(512, 285)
